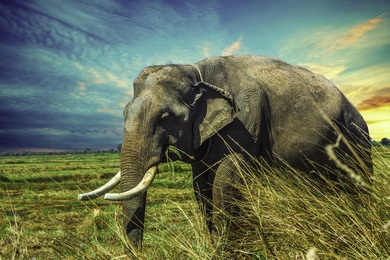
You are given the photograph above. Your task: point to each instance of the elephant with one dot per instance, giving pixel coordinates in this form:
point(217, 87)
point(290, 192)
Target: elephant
point(222, 107)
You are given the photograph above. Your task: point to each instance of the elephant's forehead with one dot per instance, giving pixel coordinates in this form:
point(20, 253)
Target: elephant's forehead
point(164, 76)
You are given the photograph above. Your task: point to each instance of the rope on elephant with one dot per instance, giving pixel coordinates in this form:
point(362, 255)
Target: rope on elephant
point(200, 74)
point(221, 91)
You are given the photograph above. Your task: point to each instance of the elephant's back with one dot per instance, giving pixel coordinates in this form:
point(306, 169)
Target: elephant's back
point(293, 90)
point(281, 80)
point(301, 104)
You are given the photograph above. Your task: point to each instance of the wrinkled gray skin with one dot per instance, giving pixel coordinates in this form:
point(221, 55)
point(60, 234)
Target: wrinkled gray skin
point(279, 118)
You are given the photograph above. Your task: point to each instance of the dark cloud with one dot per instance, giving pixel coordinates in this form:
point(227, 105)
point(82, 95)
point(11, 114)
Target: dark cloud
point(55, 140)
point(58, 130)
point(42, 104)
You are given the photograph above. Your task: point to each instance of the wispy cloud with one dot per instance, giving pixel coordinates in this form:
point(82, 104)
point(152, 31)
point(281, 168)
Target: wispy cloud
point(376, 76)
point(365, 85)
point(333, 41)
point(329, 41)
point(205, 49)
point(234, 47)
point(381, 99)
point(94, 76)
point(353, 35)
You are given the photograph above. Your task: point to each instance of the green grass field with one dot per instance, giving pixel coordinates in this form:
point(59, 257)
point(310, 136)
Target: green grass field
point(41, 218)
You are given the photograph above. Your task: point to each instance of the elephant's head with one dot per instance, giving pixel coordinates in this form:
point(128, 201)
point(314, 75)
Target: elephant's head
point(172, 106)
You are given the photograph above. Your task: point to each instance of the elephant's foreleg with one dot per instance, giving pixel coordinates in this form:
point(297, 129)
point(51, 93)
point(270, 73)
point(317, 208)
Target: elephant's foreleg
point(202, 180)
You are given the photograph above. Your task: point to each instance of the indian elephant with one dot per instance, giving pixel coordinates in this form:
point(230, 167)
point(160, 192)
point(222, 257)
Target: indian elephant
point(220, 107)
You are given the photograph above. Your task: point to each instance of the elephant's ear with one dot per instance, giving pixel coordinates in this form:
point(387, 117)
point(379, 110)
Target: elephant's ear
point(215, 109)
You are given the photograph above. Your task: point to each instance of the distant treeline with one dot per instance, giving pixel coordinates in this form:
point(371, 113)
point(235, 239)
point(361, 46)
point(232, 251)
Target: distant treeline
point(86, 151)
point(384, 142)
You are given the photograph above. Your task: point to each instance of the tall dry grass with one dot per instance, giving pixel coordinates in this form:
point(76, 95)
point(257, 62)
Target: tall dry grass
point(287, 215)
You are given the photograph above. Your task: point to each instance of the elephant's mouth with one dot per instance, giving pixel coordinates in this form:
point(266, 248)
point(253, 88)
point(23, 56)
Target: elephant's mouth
point(142, 186)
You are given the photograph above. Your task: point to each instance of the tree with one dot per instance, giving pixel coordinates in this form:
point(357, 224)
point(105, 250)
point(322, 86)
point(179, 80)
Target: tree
point(385, 141)
point(119, 147)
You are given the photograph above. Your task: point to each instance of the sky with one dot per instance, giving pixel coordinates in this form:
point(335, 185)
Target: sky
point(67, 67)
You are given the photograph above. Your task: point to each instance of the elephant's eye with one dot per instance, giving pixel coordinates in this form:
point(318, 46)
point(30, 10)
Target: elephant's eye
point(164, 115)
point(165, 118)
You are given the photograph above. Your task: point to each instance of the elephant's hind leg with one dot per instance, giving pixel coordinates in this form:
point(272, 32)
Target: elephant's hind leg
point(226, 214)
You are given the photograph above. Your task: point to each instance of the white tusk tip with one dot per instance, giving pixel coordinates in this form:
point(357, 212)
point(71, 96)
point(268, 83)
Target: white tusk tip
point(82, 197)
point(110, 196)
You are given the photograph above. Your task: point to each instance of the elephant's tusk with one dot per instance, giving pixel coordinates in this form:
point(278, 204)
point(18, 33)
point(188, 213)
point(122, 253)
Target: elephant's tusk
point(103, 189)
point(140, 188)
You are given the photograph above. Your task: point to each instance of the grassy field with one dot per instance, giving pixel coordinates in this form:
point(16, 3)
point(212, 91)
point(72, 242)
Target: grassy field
point(41, 218)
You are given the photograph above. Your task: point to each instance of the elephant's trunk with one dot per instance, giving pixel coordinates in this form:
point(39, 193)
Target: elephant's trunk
point(137, 157)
